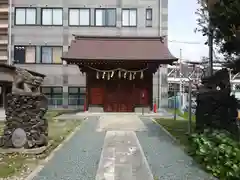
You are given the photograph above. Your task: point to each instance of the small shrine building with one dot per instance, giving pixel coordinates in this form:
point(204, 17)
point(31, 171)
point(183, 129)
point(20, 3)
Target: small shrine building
point(119, 70)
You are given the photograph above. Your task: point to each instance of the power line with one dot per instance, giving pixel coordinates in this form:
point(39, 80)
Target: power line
point(184, 42)
point(185, 60)
point(217, 60)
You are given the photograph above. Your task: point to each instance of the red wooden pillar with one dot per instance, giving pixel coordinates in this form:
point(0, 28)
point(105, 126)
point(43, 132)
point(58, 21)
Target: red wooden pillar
point(86, 102)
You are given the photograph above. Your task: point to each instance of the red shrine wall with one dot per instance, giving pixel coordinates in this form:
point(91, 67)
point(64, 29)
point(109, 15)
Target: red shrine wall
point(119, 94)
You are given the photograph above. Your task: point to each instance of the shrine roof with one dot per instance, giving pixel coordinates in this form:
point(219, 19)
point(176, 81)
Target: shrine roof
point(119, 48)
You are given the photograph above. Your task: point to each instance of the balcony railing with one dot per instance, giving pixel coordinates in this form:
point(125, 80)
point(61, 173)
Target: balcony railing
point(3, 2)
point(3, 15)
point(3, 50)
point(3, 58)
point(3, 26)
point(3, 42)
point(4, 8)
point(3, 32)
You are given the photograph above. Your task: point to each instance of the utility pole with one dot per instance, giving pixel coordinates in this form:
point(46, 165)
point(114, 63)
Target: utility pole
point(175, 96)
point(180, 75)
point(190, 107)
point(210, 45)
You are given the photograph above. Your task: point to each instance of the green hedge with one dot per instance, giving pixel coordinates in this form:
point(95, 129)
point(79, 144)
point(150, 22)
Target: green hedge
point(218, 153)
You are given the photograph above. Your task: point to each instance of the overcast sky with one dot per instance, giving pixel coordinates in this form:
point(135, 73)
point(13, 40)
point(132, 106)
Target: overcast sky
point(181, 23)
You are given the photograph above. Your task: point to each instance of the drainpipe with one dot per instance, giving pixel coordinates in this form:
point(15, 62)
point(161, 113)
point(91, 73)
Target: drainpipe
point(160, 18)
point(9, 32)
point(159, 34)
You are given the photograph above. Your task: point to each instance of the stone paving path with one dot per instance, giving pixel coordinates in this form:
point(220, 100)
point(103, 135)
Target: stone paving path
point(120, 147)
point(162, 113)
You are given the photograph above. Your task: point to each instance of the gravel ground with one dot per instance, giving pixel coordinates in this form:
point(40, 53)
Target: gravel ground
point(78, 159)
point(166, 159)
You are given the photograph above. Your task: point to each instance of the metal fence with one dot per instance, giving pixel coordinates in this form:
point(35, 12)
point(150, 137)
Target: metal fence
point(182, 99)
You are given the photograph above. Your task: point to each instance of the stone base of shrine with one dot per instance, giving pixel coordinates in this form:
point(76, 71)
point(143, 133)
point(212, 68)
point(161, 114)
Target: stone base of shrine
point(100, 109)
point(95, 108)
point(143, 109)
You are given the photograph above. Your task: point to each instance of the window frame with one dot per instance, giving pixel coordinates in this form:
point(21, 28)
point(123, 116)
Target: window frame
point(41, 47)
point(78, 94)
point(151, 10)
point(104, 9)
point(129, 9)
point(25, 9)
point(51, 94)
point(34, 46)
point(148, 21)
point(79, 9)
point(51, 90)
point(51, 8)
point(46, 87)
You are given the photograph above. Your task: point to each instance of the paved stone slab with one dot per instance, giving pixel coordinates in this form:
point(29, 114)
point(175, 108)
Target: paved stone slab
point(124, 122)
point(122, 158)
point(166, 159)
point(80, 115)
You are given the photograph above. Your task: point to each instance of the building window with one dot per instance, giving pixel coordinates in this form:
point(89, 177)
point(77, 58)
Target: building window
point(51, 55)
point(105, 17)
point(25, 16)
point(52, 16)
point(76, 96)
point(24, 54)
point(129, 17)
point(79, 17)
point(148, 17)
point(54, 95)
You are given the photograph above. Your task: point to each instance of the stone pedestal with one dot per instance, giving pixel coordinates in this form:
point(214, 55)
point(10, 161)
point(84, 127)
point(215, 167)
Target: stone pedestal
point(25, 125)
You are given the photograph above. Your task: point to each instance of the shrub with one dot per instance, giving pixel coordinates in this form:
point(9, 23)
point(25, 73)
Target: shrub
point(218, 153)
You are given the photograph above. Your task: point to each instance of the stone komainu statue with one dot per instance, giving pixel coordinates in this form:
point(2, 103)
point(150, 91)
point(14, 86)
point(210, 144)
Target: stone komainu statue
point(216, 107)
point(25, 83)
point(25, 125)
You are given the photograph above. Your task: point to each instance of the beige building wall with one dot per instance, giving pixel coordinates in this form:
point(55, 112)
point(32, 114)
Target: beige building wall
point(3, 31)
point(4, 76)
point(38, 35)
